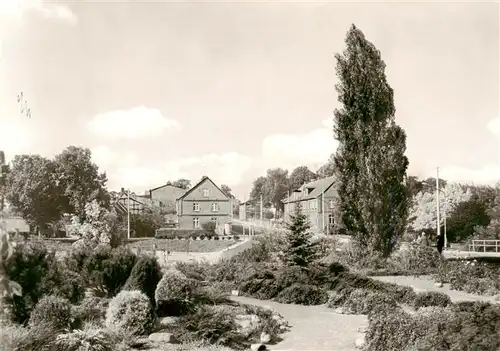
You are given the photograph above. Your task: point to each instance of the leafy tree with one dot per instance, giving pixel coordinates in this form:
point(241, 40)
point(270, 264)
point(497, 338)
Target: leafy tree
point(370, 164)
point(464, 217)
point(182, 183)
point(413, 186)
point(276, 187)
point(300, 250)
point(34, 190)
point(423, 213)
point(327, 170)
point(300, 176)
point(492, 230)
point(80, 180)
point(145, 224)
point(227, 190)
point(258, 188)
point(4, 172)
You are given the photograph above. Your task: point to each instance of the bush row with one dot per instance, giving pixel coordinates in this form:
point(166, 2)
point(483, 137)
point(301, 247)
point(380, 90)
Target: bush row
point(460, 326)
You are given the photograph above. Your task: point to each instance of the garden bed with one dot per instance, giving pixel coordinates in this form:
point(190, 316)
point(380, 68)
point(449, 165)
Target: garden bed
point(181, 245)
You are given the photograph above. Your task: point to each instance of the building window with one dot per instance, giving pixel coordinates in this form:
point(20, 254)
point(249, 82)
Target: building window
point(215, 207)
point(205, 192)
point(331, 220)
point(331, 203)
point(215, 220)
point(196, 222)
point(196, 207)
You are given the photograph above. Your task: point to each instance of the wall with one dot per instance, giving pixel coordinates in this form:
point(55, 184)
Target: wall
point(167, 195)
point(186, 221)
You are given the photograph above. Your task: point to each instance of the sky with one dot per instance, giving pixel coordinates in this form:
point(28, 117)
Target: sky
point(164, 90)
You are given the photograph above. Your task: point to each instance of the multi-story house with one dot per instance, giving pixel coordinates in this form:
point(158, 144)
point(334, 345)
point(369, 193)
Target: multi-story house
point(204, 202)
point(317, 201)
point(165, 197)
point(138, 203)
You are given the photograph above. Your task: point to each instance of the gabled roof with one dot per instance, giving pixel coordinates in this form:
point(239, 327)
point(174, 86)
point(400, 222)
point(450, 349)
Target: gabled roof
point(317, 186)
point(198, 184)
point(165, 185)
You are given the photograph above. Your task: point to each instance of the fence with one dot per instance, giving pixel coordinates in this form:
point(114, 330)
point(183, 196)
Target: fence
point(485, 245)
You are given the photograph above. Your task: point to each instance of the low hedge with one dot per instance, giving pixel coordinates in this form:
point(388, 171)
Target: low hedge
point(173, 233)
point(464, 326)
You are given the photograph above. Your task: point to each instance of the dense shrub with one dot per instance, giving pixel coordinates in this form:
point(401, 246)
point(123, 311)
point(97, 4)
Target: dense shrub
point(361, 301)
point(470, 276)
point(212, 324)
point(431, 299)
point(145, 276)
point(416, 259)
point(174, 293)
point(303, 294)
point(131, 311)
point(470, 326)
point(39, 273)
point(36, 337)
point(107, 270)
point(95, 339)
point(52, 310)
point(90, 309)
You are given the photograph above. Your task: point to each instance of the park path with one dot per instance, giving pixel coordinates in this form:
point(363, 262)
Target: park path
point(313, 328)
point(425, 283)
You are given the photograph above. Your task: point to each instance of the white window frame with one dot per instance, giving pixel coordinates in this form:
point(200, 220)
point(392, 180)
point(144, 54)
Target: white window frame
point(331, 219)
point(215, 207)
point(205, 192)
point(196, 222)
point(196, 207)
point(331, 204)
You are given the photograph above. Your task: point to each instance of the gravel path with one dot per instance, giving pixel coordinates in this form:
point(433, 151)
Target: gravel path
point(426, 283)
point(313, 328)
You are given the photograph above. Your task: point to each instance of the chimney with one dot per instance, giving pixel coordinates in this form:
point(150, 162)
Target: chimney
point(123, 190)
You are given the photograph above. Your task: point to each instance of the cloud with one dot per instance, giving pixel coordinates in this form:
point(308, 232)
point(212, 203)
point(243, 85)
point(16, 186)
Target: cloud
point(131, 124)
point(123, 170)
point(15, 136)
point(15, 10)
point(291, 150)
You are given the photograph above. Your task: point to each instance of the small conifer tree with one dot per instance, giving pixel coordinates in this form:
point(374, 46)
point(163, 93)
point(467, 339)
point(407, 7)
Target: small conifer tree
point(300, 251)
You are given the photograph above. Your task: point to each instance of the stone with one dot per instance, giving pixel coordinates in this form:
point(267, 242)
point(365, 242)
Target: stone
point(496, 297)
point(339, 310)
point(235, 292)
point(360, 342)
point(265, 338)
point(439, 284)
point(167, 321)
point(162, 338)
point(258, 347)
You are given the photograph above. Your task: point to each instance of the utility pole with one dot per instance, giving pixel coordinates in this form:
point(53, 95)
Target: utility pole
point(261, 209)
point(323, 210)
point(128, 214)
point(437, 203)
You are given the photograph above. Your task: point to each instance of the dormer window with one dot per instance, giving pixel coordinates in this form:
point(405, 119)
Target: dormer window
point(205, 192)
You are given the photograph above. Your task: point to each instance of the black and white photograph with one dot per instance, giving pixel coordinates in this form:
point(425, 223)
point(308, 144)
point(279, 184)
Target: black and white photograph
point(236, 175)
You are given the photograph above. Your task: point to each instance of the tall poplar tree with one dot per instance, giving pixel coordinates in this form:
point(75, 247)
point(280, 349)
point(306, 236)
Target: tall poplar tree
point(370, 164)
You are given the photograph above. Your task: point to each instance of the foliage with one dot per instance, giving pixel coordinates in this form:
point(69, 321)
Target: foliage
point(370, 164)
point(470, 276)
point(95, 229)
point(80, 180)
point(174, 293)
point(91, 338)
point(300, 176)
point(303, 294)
point(273, 187)
point(464, 217)
point(431, 299)
point(145, 276)
point(107, 270)
point(34, 190)
point(182, 183)
point(130, 311)
point(8, 288)
point(145, 224)
point(300, 250)
point(327, 170)
point(90, 309)
point(423, 213)
point(465, 326)
point(39, 273)
point(52, 310)
point(419, 259)
point(212, 324)
point(227, 191)
point(360, 301)
point(492, 231)
point(209, 228)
